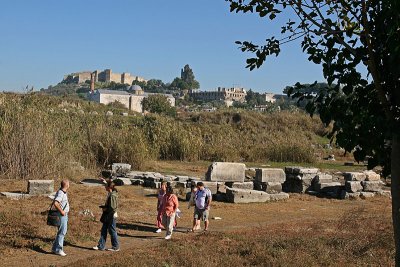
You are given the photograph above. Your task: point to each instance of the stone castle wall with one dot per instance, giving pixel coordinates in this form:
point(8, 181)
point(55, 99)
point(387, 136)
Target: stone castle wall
point(103, 76)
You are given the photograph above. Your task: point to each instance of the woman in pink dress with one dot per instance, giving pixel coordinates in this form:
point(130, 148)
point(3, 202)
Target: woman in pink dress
point(160, 196)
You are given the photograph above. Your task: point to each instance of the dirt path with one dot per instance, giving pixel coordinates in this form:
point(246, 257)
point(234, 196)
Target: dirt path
point(136, 228)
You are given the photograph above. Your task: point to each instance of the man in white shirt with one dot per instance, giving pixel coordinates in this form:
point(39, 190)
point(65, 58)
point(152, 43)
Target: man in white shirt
point(62, 205)
point(202, 206)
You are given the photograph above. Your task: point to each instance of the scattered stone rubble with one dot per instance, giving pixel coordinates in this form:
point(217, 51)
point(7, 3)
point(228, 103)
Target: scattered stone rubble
point(363, 185)
point(228, 182)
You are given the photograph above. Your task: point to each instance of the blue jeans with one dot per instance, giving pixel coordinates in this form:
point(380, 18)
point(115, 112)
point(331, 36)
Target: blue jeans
point(62, 231)
point(111, 228)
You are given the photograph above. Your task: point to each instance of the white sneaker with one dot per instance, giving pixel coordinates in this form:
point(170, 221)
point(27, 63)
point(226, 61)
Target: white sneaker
point(158, 230)
point(60, 253)
point(168, 237)
point(97, 248)
point(113, 249)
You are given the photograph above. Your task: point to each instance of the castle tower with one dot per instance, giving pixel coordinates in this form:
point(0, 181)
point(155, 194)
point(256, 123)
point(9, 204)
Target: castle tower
point(92, 78)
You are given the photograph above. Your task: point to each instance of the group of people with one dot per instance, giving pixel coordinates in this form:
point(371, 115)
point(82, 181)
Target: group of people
point(167, 212)
point(168, 208)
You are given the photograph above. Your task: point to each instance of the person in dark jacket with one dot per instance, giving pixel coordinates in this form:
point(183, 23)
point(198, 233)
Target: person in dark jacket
point(109, 219)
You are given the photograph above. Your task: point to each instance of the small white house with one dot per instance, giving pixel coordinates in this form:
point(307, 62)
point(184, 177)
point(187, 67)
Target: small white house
point(130, 101)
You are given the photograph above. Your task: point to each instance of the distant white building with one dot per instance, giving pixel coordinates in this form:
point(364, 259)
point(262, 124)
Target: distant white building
point(272, 98)
point(132, 101)
point(221, 94)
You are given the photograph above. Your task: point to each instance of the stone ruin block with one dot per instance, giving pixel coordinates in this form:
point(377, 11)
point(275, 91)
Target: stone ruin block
point(169, 178)
point(384, 193)
point(259, 186)
point(156, 185)
point(372, 176)
point(347, 195)
point(152, 178)
point(328, 187)
point(121, 168)
point(182, 178)
point(296, 186)
point(365, 195)
point(353, 186)
point(92, 182)
point(354, 176)
point(212, 186)
point(226, 172)
point(371, 186)
point(15, 196)
point(246, 196)
point(322, 178)
point(252, 196)
point(269, 187)
point(299, 179)
point(300, 170)
point(174, 184)
point(122, 181)
point(279, 196)
point(270, 175)
point(273, 188)
point(137, 181)
point(134, 175)
point(152, 183)
point(221, 188)
point(40, 187)
point(244, 185)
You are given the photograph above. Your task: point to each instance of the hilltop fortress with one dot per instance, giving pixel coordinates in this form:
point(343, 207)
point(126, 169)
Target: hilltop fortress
point(102, 76)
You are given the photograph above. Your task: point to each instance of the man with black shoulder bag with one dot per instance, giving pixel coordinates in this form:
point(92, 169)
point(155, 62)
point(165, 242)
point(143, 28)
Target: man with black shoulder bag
point(60, 208)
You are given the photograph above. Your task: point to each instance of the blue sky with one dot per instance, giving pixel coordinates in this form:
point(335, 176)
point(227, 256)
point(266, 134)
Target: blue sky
point(43, 40)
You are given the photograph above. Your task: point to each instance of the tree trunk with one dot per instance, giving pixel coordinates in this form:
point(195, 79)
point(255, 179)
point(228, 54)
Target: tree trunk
point(395, 166)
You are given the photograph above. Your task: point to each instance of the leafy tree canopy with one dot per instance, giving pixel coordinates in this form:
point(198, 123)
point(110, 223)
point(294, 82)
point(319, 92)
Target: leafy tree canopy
point(254, 98)
point(158, 104)
point(342, 36)
point(345, 37)
point(186, 81)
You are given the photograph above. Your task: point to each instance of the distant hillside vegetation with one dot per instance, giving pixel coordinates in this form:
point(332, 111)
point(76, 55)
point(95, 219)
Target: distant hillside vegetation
point(40, 134)
point(80, 90)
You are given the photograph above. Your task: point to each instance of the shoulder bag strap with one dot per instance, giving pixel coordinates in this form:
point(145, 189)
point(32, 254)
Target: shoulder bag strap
point(54, 200)
point(65, 203)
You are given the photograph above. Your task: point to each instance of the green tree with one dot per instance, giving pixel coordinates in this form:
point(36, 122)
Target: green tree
point(158, 104)
point(179, 84)
point(186, 81)
point(345, 37)
point(142, 84)
point(254, 98)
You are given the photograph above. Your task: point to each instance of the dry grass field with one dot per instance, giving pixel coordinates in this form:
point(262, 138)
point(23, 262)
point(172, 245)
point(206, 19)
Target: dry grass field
point(302, 231)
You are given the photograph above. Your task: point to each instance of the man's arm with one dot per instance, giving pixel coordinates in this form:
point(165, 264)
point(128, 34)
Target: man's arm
point(58, 207)
point(209, 199)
